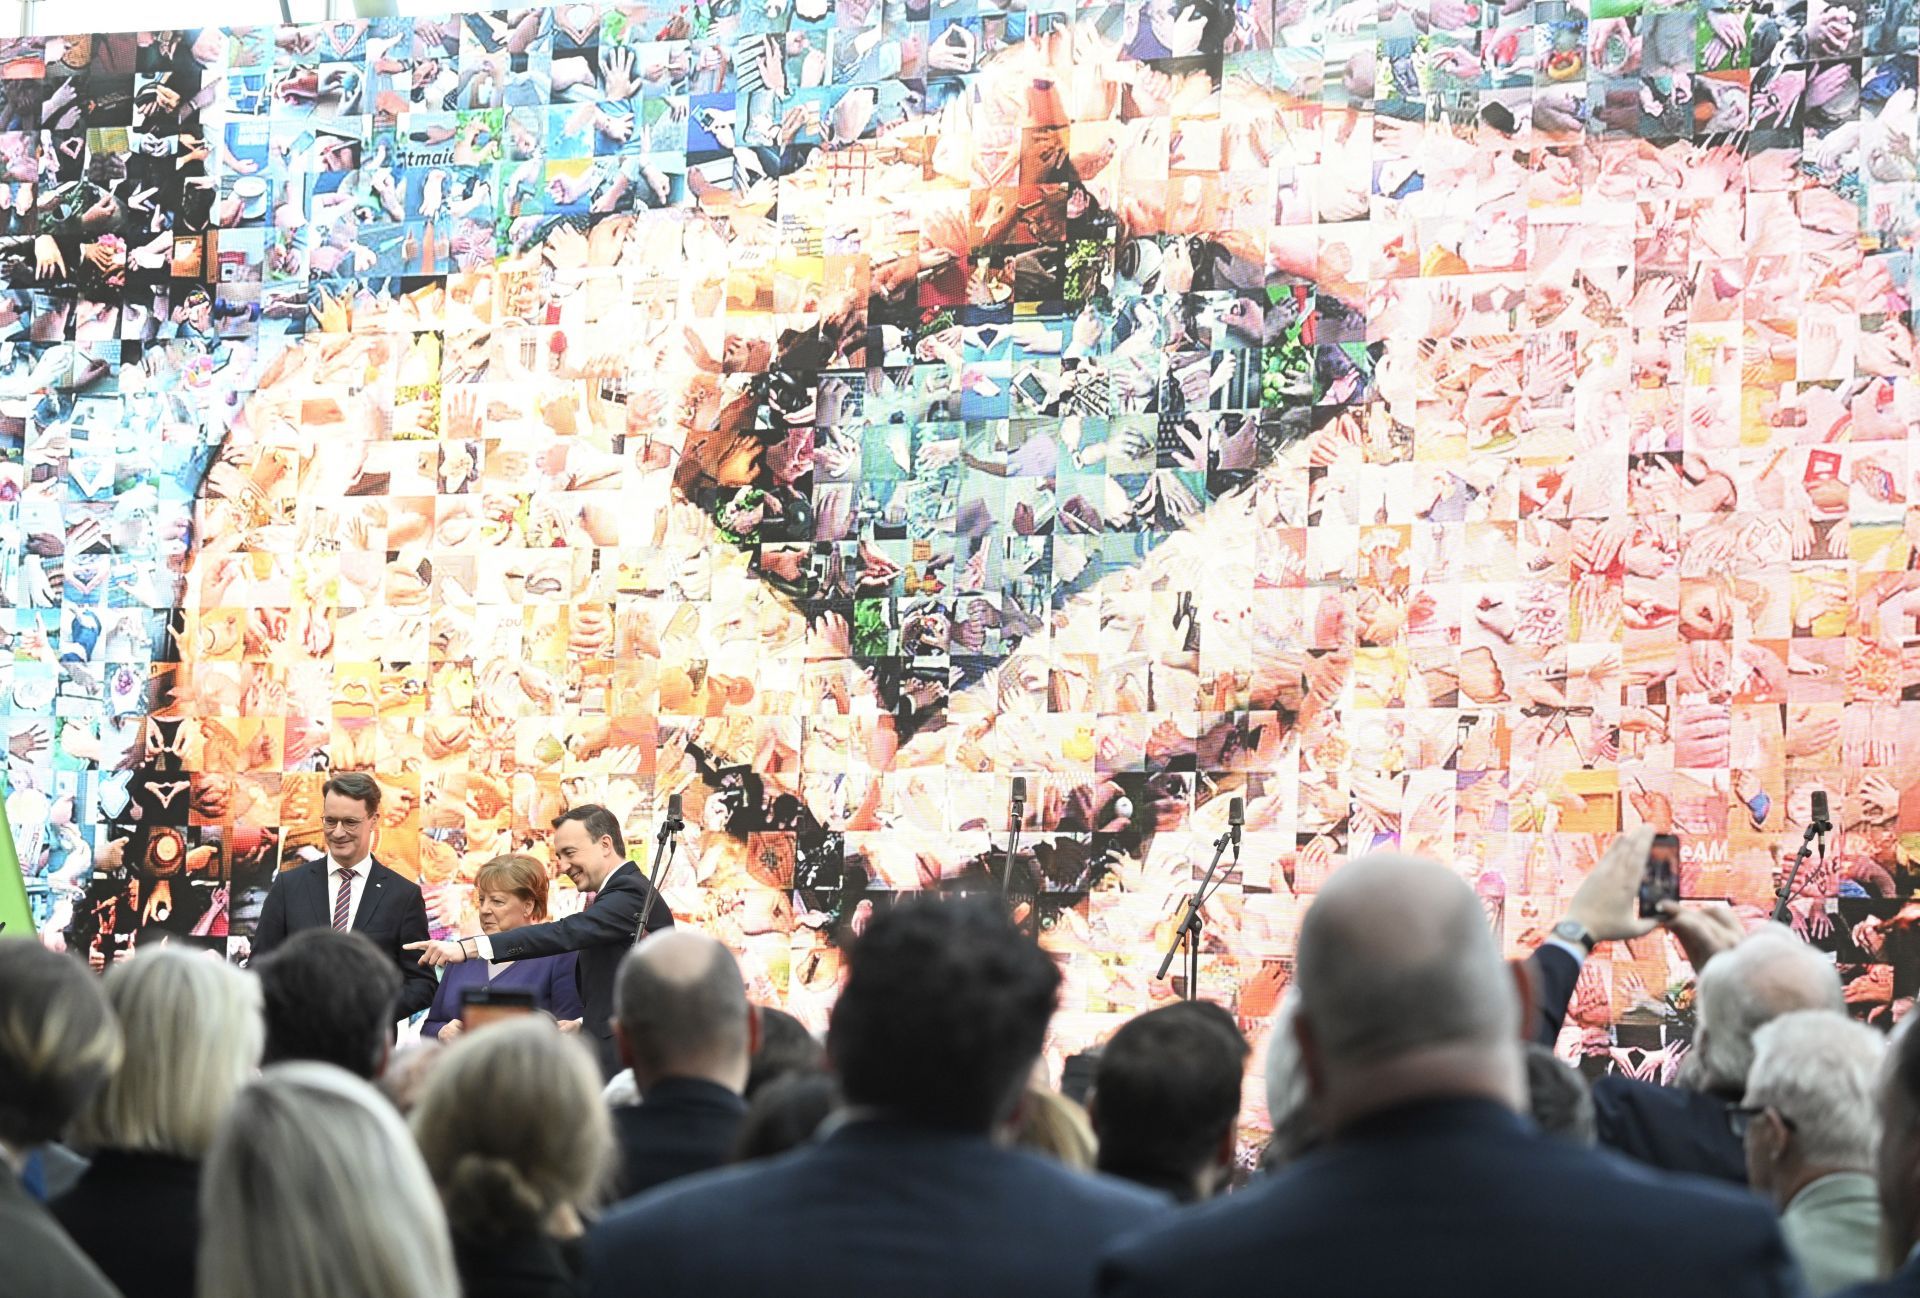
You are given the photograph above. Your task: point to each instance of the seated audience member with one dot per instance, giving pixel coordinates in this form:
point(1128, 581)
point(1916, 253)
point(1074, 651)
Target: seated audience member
point(514, 1134)
point(1049, 1123)
point(1166, 1099)
point(1296, 1132)
point(329, 998)
point(785, 1114)
point(1897, 1170)
point(59, 1044)
point(943, 1013)
point(785, 1047)
point(191, 1023)
point(1431, 1180)
point(318, 1192)
point(1558, 1097)
point(683, 1026)
point(509, 892)
point(1811, 1132)
point(1743, 981)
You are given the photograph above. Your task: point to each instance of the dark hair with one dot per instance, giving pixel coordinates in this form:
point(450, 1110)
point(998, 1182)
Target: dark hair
point(1166, 1092)
point(332, 997)
point(361, 788)
point(59, 1042)
point(597, 821)
point(945, 1009)
point(786, 1047)
point(785, 1114)
point(1558, 1096)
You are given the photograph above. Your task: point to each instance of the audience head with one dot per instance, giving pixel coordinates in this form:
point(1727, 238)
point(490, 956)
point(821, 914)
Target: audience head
point(406, 1073)
point(318, 1191)
point(1810, 1101)
point(1403, 994)
point(1898, 1163)
point(510, 892)
point(191, 1023)
point(59, 1043)
point(1289, 1099)
point(1166, 1096)
point(785, 1113)
point(331, 997)
point(588, 845)
point(487, 1127)
point(1770, 973)
point(1558, 1097)
point(785, 1047)
point(1049, 1123)
point(944, 1010)
point(680, 1010)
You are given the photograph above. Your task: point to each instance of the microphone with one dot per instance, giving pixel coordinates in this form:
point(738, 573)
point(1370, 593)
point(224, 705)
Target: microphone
point(1019, 799)
point(1820, 823)
point(672, 822)
point(1236, 821)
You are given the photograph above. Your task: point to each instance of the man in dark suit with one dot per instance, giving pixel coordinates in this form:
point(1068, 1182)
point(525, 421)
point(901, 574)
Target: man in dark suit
point(1431, 1181)
point(351, 891)
point(1744, 983)
point(1898, 1172)
point(684, 1027)
point(934, 1036)
point(590, 850)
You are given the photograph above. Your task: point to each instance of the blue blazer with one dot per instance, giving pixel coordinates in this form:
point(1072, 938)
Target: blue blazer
point(549, 977)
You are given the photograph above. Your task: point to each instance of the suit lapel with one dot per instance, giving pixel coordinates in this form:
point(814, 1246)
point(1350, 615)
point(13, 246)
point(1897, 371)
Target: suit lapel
point(371, 898)
point(313, 897)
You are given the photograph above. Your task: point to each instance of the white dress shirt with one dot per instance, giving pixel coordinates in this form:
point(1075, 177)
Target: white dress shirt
point(357, 890)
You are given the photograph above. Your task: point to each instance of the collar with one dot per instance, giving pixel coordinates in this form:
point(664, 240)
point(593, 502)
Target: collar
point(699, 1089)
point(362, 868)
point(1448, 1115)
point(1833, 1189)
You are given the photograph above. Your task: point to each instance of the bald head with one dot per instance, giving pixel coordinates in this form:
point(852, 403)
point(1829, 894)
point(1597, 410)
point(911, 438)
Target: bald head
point(681, 1011)
point(1398, 973)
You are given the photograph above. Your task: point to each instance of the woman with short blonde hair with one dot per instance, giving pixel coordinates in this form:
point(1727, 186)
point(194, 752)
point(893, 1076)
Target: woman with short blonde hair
point(318, 1192)
point(519, 1144)
point(509, 892)
point(192, 1027)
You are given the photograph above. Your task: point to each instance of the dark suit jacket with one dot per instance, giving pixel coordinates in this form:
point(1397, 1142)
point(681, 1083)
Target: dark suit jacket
point(874, 1209)
point(1904, 1284)
point(601, 934)
point(685, 1126)
point(39, 1260)
point(1462, 1197)
point(391, 914)
point(1669, 1127)
point(517, 1266)
point(138, 1217)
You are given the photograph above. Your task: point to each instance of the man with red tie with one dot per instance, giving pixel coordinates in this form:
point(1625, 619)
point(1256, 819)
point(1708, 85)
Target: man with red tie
point(351, 891)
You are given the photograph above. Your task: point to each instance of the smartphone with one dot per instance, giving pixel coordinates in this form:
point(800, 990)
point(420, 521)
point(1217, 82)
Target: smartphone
point(1660, 881)
point(483, 1005)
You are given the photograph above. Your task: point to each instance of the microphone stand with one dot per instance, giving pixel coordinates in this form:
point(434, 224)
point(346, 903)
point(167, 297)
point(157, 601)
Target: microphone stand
point(663, 841)
point(1192, 923)
point(1815, 831)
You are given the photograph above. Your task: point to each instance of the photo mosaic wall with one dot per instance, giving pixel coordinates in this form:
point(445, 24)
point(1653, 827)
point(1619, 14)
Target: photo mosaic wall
point(1460, 426)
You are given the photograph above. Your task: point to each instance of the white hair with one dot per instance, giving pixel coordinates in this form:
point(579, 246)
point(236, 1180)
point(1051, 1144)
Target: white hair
point(1821, 1071)
point(193, 1031)
point(1288, 1095)
point(313, 1189)
point(1771, 972)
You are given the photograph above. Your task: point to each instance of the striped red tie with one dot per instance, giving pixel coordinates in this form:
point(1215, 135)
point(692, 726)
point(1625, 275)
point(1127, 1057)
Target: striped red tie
point(342, 901)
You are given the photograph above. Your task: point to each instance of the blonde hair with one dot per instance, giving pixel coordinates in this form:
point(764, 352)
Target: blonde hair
point(58, 1041)
point(515, 872)
point(512, 1128)
point(318, 1191)
point(193, 1034)
point(1057, 1127)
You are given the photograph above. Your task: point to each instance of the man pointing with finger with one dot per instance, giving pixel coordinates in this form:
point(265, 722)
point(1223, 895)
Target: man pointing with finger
point(590, 850)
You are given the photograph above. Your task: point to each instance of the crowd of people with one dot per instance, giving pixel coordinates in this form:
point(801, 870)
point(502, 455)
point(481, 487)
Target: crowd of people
point(183, 1127)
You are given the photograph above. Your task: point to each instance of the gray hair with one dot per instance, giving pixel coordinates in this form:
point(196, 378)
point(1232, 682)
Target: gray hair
point(1289, 1108)
point(511, 1126)
point(1771, 972)
point(682, 1004)
point(58, 1041)
point(193, 1033)
point(1821, 1070)
point(314, 1189)
point(1395, 956)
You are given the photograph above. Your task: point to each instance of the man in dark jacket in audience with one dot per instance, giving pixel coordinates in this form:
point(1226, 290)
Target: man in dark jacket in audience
point(1431, 1181)
point(934, 1037)
point(1898, 1172)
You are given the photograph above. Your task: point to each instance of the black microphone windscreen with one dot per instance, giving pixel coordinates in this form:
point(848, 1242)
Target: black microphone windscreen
point(1820, 807)
point(673, 806)
point(1019, 788)
point(1237, 812)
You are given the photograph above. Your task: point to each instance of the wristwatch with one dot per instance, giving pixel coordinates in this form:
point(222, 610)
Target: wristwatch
point(1572, 930)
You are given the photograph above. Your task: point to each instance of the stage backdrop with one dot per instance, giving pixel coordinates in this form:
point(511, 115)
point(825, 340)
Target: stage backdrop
point(1456, 426)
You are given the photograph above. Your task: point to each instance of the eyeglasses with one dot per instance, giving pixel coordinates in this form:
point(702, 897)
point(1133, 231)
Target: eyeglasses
point(331, 822)
point(1741, 1116)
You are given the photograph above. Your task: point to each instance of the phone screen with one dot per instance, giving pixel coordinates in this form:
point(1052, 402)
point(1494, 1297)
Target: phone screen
point(1660, 881)
point(484, 1005)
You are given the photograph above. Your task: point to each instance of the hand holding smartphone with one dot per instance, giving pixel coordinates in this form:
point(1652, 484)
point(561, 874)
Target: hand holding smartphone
point(1660, 880)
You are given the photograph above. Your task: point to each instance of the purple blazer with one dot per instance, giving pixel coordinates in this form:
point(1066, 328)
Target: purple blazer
point(549, 977)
